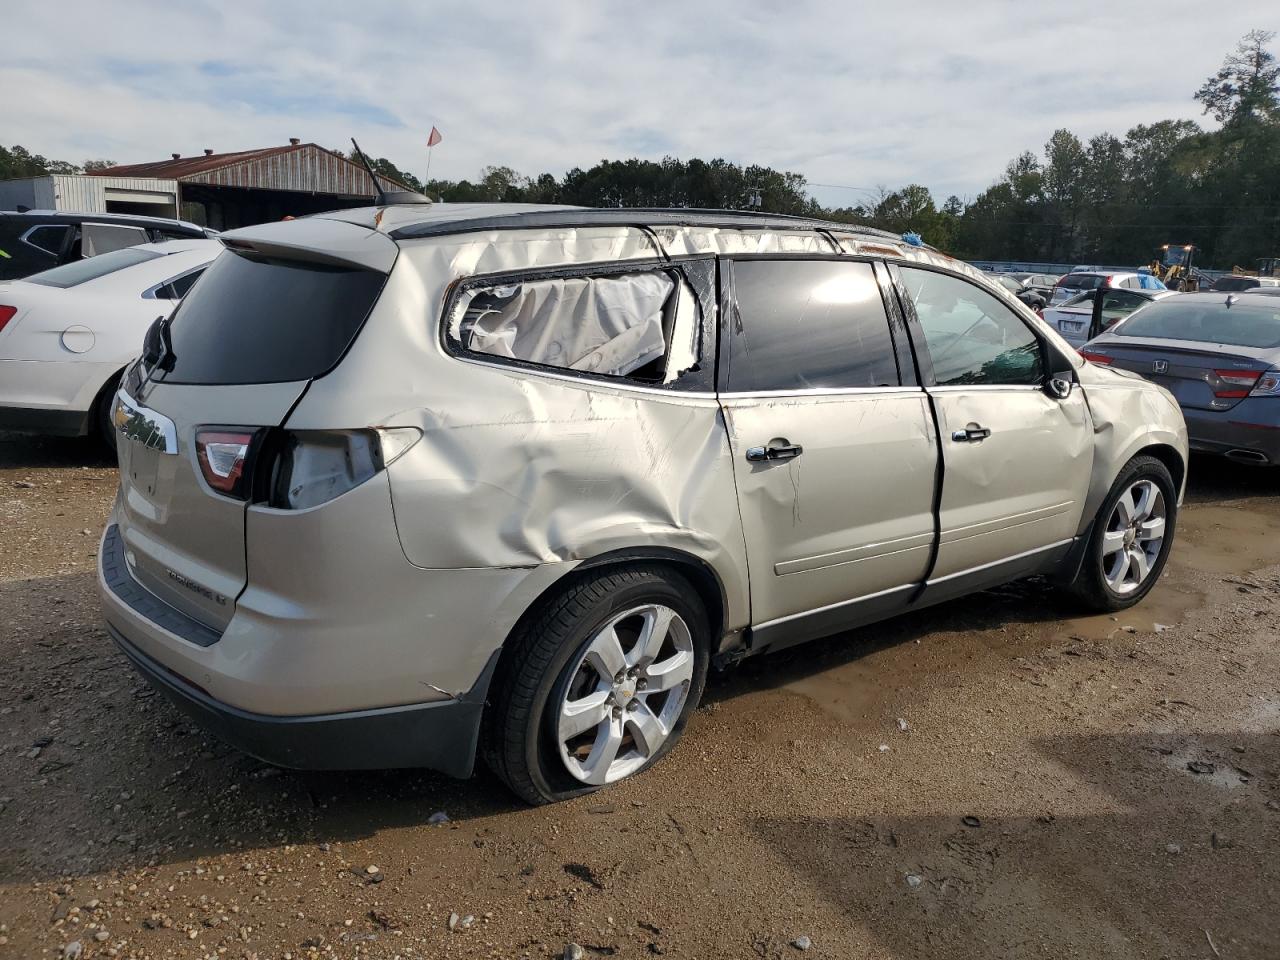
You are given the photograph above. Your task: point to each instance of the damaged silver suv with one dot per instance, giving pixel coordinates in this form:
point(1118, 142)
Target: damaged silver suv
point(406, 485)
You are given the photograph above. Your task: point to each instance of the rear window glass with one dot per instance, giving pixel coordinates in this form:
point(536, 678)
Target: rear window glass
point(1081, 281)
point(268, 321)
point(1235, 283)
point(82, 271)
point(1239, 325)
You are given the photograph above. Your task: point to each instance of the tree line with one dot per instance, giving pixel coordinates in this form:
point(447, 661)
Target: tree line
point(1107, 200)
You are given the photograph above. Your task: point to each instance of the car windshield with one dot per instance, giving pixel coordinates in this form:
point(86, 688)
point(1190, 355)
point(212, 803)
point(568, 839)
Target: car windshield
point(1237, 325)
point(1080, 298)
point(82, 271)
point(1009, 283)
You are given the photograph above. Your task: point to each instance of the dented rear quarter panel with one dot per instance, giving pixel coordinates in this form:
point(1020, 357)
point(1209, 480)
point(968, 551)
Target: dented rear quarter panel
point(523, 470)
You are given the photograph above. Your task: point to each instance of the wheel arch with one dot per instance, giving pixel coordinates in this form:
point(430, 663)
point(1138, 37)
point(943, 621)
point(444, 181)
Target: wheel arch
point(701, 576)
point(1171, 458)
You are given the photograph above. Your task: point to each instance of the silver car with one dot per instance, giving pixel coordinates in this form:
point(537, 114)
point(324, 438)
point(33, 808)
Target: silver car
point(407, 485)
point(1219, 354)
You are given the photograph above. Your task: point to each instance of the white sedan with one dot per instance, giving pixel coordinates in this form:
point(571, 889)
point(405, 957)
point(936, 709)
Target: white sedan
point(1072, 319)
point(67, 334)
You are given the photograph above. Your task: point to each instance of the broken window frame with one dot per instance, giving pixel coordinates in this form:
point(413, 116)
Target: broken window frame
point(698, 274)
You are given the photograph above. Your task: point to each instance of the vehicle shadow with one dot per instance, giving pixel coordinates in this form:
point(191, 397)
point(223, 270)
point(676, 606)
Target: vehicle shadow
point(1211, 479)
point(18, 451)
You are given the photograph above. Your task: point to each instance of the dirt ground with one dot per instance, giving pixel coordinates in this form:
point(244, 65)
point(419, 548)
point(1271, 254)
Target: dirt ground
point(991, 778)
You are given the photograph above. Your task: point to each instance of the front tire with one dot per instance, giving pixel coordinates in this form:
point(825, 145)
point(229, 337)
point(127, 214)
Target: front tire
point(598, 684)
point(1131, 538)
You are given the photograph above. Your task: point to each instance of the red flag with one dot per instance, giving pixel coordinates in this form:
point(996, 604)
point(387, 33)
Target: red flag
point(434, 138)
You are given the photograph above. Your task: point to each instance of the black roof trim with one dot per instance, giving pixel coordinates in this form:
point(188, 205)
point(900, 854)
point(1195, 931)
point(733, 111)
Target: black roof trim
point(192, 230)
point(640, 217)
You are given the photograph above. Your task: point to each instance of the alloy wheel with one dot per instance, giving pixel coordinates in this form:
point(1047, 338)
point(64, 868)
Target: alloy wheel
point(625, 694)
point(1134, 537)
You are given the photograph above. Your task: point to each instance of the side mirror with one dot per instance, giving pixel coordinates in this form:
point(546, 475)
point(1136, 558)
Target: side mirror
point(1059, 385)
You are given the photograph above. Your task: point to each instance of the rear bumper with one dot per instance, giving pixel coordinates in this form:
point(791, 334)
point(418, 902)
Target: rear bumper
point(1249, 431)
point(440, 735)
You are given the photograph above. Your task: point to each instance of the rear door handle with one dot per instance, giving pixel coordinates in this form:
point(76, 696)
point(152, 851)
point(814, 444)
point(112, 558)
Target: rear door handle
point(973, 433)
point(777, 449)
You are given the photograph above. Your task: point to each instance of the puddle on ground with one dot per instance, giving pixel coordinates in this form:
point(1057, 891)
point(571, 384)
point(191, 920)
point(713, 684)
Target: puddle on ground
point(853, 692)
point(1162, 609)
point(1229, 539)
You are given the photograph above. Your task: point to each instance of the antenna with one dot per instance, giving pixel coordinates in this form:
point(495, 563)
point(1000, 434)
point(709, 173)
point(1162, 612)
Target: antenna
point(383, 197)
point(377, 187)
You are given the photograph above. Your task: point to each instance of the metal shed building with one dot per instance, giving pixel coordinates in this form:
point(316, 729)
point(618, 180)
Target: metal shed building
point(153, 197)
point(220, 190)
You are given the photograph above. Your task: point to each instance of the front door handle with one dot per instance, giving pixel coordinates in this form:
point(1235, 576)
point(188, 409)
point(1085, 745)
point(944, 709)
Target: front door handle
point(973, 433)
point(779, 448)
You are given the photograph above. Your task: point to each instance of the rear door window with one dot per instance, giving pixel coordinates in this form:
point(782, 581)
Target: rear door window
point(972, 337)
point(48, 237)
point(808, 324)
point(100, 238)
point(1117, 304)
point(268, 321)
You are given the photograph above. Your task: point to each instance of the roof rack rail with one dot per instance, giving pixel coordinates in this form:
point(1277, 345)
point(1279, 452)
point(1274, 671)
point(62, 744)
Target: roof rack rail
point(634, 216)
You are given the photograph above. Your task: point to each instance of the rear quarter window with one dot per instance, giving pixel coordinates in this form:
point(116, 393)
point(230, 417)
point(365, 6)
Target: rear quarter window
point(252, 320)
point(640, 326)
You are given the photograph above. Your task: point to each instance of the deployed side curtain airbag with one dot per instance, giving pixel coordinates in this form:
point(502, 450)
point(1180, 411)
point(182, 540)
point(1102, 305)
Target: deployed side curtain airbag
point(607, 325)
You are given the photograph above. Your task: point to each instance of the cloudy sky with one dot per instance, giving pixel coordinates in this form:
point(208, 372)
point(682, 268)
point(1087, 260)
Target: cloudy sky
point(846, 93)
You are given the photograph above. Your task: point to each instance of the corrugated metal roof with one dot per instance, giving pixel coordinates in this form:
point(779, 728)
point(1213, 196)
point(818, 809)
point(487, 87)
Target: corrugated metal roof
point(303, 167)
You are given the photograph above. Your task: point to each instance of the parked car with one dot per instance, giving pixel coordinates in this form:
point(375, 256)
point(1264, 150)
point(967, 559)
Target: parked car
point(66, 334)
point(1219, 356)
point(1073, 284)
point(1028, 295)
point(1041, 283)
point(1238, 284)
point(407, 484)
point(35, 240)
point(1072, 319)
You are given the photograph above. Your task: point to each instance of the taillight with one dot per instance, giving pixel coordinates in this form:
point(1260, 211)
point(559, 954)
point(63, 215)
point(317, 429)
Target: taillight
point(309, 467)
point(6, 314)
point(224, 456)
point(1236, 383)
point(296, 469)
point(1101, 358)
point(1268, 385)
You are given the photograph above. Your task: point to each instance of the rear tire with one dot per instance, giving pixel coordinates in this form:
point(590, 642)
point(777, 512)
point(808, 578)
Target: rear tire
point(1123, 559)
point(101, 426)
point(622, 655)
